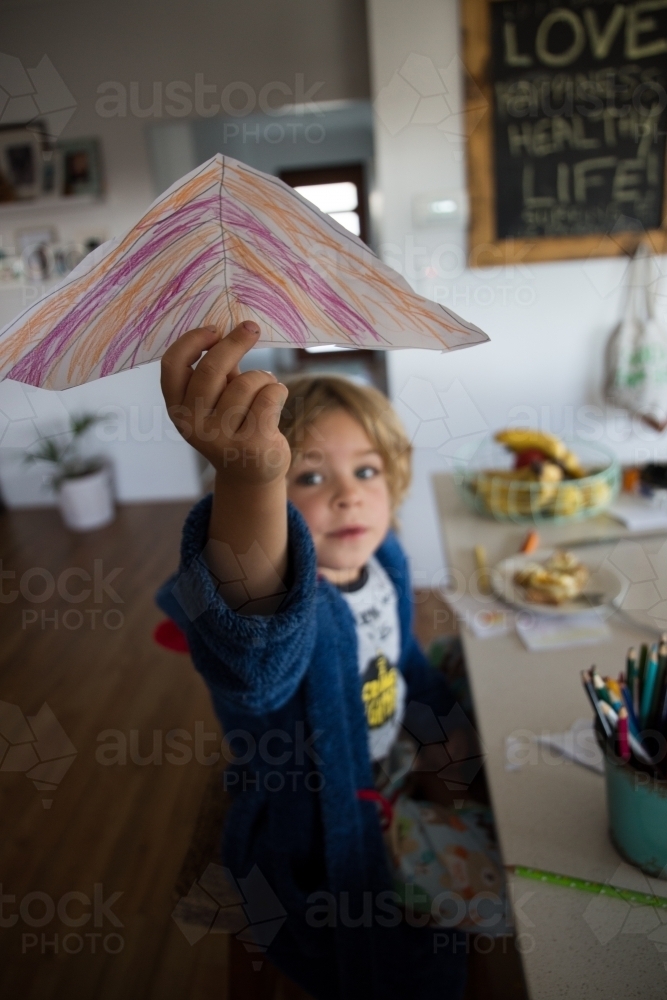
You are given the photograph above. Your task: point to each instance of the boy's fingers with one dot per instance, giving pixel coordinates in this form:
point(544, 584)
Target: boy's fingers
point(219, 366)
point(267, 407)
point(176, 369)
point(239, 397)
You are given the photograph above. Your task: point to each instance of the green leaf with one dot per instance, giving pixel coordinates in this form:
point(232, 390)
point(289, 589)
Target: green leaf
point(48, 450)
point(83, 422)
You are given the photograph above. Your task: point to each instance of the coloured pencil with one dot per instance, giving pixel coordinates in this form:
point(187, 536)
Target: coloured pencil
point(590, 691)
point(616, 704)
point(627, 701)
point(641, 666)
point(656, 701)
point(611, 714)
point(631, 667)
point(635, 744)
point(601, 689)
point(638, 750)
point(614, 688)
point(623, 743)
point(648, 689)
point(636, 695)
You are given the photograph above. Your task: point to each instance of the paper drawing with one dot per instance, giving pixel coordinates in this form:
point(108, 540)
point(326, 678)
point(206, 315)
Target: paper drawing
point(224, 244)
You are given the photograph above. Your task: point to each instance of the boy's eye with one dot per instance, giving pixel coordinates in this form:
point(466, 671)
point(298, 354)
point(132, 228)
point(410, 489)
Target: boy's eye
point(311, 478)
point(367, 472)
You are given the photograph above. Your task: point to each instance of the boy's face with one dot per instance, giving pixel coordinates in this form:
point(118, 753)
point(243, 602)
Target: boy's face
point(337, 482)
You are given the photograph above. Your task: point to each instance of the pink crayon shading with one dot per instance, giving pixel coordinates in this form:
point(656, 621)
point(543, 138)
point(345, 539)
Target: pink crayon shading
point(255, 291)
point(256, 234)
point(32, 367)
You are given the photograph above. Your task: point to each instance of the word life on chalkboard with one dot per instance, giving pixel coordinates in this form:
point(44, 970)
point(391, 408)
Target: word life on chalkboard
point(580, 116)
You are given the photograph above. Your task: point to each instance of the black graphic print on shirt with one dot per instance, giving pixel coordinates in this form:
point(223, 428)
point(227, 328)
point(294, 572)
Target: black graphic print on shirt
point(375, 609)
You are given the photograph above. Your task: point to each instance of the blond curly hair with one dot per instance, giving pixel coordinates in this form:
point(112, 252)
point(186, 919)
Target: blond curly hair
point(310, 396)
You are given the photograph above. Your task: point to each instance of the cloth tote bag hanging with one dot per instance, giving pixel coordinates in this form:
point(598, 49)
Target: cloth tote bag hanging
point(636, 361)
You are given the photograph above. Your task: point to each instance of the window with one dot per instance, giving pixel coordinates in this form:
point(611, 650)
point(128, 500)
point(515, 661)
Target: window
point(337, 191)
point(341, 193)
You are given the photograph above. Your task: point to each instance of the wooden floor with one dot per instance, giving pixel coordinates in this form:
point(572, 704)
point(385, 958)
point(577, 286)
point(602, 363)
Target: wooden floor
point(123, 827)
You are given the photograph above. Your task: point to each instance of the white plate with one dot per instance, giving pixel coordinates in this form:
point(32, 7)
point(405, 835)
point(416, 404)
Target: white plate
point(603, 587)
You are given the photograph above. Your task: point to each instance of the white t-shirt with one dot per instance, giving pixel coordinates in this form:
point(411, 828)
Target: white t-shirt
point(373, 603)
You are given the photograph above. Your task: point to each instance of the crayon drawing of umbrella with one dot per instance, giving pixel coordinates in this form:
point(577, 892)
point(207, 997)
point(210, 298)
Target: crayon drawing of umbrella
point(224, 244)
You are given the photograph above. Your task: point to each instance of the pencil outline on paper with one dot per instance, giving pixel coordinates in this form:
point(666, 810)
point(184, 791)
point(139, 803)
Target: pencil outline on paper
point(224, 244)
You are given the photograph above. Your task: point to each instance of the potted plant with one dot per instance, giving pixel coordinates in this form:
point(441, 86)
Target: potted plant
point(82, 484)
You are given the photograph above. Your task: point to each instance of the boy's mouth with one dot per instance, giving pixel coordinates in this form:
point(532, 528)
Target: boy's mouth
point(350, 531)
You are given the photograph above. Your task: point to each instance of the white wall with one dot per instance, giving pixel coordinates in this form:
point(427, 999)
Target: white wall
point(548, 323)
point(146, 46)
point(312, 51)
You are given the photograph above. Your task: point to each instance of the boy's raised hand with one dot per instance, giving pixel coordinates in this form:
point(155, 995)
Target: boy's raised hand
point(228, 416)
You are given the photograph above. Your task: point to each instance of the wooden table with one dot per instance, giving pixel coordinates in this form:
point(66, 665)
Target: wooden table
point(550, 813)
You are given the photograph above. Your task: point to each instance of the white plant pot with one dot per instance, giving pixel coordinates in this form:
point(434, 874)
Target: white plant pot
point(86, 502)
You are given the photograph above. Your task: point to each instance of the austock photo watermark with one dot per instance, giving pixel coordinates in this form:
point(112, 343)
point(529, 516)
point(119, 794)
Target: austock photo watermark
point(73, 585)
point(54, 926)
point(433, 412)
point(249, 909)
point(238, 99)
point(418, 93)
point(421, 94)
point(273, 761)
point(28, 94)
point(279, 760)
point(624, 917)
point(217, 903)
point(36, 746)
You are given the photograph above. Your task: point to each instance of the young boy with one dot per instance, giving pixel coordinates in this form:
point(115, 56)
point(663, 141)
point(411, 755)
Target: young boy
point(295, 598)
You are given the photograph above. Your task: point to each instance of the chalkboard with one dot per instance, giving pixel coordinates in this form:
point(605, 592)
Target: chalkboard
point(569, 158)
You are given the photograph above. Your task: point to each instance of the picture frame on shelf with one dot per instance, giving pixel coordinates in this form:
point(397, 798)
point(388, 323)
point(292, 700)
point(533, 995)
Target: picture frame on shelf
point(79, 167)
point(21, 163)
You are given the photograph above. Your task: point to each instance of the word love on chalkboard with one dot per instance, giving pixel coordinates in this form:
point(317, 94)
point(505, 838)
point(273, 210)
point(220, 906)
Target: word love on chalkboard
point(569, 160)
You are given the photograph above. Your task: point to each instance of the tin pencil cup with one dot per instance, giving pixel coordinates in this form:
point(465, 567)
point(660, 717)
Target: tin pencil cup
point(637, 810)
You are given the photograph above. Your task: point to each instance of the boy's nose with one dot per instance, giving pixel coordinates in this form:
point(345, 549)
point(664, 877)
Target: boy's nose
point(347, 495)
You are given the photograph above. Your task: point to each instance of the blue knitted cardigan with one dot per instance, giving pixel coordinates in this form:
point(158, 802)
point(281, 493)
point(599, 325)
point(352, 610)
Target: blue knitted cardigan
point(287, 691)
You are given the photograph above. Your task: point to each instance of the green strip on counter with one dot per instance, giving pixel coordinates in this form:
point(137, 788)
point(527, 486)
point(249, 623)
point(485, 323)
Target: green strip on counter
point(597, 888)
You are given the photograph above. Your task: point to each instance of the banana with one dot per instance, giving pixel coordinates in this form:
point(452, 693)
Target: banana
point(572, 467)
point(510, 492)
point(569, 501)
point(520, 439)
point(523, 438)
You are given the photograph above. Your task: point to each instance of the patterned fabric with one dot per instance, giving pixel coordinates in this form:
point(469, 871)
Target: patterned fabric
point(450, 859)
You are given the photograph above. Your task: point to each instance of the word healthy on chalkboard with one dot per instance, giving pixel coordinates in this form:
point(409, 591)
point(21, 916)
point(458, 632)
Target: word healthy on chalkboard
point(580, 116)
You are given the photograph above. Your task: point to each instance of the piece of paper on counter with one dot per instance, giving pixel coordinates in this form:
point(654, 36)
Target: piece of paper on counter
point(485, 618)
point(539, 634)
point(638, 513)
point(577, 744)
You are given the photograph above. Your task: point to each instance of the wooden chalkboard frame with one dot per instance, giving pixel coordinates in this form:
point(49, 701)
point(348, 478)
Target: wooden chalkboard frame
point(485, 249)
